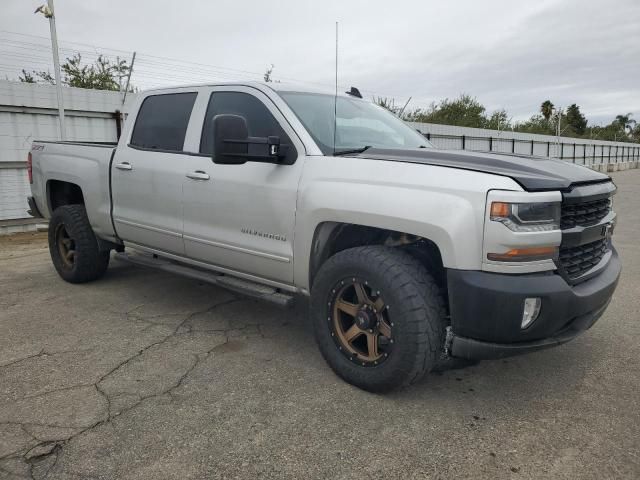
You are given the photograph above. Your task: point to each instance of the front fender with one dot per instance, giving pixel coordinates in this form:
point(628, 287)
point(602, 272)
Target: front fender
point(441, 204)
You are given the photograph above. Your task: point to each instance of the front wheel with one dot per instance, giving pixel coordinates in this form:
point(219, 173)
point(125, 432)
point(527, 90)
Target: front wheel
point(378, 317)
point(73, 246)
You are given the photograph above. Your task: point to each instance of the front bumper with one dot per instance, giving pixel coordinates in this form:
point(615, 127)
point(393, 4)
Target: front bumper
point(486, 310)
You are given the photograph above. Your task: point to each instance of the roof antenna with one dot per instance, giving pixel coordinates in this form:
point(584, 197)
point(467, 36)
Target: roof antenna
point(335, 98)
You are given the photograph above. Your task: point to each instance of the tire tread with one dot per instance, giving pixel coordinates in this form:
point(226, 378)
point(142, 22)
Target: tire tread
point(422, 310)
point(91, 263)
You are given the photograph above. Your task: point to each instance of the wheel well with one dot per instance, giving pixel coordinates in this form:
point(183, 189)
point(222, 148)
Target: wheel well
point(63, 193)
point(331, 238)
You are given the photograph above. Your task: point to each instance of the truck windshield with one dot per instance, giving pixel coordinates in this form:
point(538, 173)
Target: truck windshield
point(359, 123)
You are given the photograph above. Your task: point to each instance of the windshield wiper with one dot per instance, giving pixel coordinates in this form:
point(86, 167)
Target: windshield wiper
point(352, 151)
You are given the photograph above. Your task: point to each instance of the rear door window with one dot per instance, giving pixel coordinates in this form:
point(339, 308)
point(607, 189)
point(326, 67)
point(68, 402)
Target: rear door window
point(162, 121)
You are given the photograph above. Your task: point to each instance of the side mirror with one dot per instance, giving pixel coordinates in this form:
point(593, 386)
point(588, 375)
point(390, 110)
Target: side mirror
point(232, 144)
point(230, 135)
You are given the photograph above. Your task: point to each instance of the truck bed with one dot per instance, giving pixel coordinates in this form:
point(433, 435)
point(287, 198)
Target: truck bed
point(85, 164)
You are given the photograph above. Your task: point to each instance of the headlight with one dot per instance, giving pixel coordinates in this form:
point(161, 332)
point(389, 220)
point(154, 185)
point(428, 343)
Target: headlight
point(527, 217)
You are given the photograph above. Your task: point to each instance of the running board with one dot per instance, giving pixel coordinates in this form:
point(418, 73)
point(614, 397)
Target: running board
point(235, 284)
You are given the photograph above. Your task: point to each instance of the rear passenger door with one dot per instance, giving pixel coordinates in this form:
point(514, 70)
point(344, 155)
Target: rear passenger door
point(242, 217)
point(148, 172)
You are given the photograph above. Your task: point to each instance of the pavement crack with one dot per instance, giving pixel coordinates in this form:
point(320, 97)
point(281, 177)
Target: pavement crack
point(160, 342)
point(58, 445)
point(57, 390)
point(23, 359)
point(106, 397)
point(45, 353)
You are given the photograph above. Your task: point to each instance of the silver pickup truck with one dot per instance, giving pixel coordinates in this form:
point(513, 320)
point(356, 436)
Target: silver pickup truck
point(410, 254)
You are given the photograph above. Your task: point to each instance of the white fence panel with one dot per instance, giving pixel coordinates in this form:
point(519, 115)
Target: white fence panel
point(577, 150)
point(14, 188)
point(30, 112)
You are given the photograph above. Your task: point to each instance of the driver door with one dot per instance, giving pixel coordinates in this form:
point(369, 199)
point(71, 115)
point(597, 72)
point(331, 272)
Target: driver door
point(242, 217)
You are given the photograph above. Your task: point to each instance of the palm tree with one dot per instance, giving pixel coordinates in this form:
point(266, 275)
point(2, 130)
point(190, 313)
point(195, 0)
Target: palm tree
point(547, 109)
point(626, 122)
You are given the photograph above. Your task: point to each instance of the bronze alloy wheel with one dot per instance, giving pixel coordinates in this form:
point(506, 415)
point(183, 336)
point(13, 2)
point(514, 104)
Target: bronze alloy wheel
point(66, 246)
point(359, 322)
point(76, 254)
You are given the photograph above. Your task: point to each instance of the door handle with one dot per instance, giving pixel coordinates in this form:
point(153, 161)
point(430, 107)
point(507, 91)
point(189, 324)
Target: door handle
point(124, 166)
point(198, 175)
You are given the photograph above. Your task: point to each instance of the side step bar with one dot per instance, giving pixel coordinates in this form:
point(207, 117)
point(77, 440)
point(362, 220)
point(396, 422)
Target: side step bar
point(238, 285)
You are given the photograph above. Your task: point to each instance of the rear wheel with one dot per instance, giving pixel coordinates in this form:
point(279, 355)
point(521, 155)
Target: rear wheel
point(73, 246)
point(379, 317)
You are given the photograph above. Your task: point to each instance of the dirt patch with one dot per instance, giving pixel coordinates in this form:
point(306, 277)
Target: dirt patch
point(23, 238)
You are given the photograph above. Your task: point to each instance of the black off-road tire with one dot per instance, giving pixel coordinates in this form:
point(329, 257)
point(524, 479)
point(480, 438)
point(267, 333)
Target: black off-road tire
point(416, 308)
point(89, 262)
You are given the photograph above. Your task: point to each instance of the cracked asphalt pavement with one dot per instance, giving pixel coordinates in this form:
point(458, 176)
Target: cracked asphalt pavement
point(147, 375)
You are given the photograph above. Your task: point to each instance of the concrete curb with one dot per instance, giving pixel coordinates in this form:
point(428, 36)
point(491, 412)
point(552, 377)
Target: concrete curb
point(19, 225)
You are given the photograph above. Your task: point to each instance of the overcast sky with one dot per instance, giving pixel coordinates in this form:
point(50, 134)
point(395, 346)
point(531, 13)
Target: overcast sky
point(509, 54)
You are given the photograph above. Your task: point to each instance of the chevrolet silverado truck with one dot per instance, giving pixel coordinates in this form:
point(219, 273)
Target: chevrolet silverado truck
point(410, 254)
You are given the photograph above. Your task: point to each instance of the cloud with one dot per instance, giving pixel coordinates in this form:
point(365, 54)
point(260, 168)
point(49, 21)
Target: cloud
point(509, 54)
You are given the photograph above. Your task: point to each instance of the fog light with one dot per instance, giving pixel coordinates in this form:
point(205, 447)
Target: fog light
point(531, 311)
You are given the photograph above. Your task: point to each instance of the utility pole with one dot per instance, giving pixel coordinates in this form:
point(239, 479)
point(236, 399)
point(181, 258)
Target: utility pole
point(403, 108)
point(56, 66)
point(558, 132)
point(49, 12)
point(126, 88)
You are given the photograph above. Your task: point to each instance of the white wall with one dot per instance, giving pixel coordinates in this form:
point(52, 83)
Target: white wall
point(30, 112)
point(14, 189)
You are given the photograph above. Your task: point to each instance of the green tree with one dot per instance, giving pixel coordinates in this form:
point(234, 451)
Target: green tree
point(465, 111)
point(547, 109)
point(536, 124)
point(26, 77)
point(103, 74)
point(388, 103)
point(625, 122)
point(576, 119)
point(499, 120)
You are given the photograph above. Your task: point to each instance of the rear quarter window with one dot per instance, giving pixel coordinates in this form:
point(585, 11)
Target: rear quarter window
point(162, 121)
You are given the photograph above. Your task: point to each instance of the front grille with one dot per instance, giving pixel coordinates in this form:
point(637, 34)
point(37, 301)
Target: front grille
point(584, 214)
point(583, 207)
point(576, 261)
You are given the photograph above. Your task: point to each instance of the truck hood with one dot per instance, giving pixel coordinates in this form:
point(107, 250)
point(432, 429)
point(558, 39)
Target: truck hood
point(532, 173)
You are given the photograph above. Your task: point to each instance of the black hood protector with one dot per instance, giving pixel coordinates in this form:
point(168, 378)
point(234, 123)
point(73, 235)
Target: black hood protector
point(532, 173)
